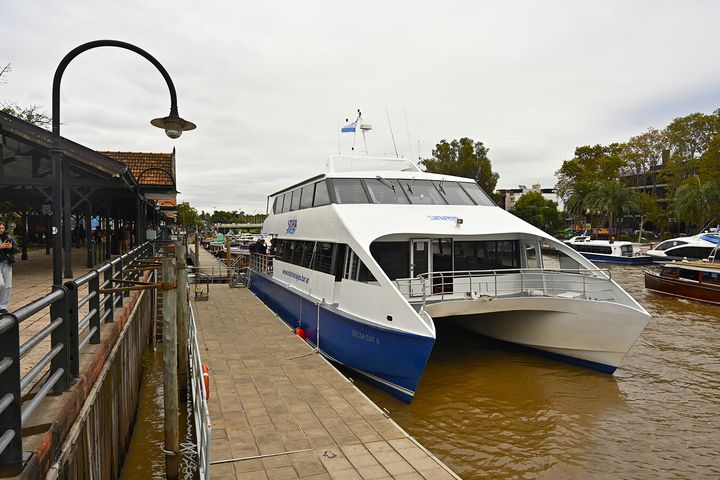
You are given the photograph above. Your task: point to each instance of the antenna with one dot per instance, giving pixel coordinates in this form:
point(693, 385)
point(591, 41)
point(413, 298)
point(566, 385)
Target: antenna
point(391, 133)
point(407, 130)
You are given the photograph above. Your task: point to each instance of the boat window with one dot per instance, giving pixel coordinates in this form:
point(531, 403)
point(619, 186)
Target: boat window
point(277, 209)
point(453, 193)
point(286, 203)
point(477, 194)
point(711, 277)
point(669, 244)
point(626, 250)
point(323, 257)
point(307, 250)
point(422, 192)
point(339, 263)
point(486, 255)
point(531, 255)
point(322, 197)
point(295, 202)
point(442, 254)
point(306, 200)
point(349, 190)
point(393, 258)
point(689, 274)
point(385, 191)
point(691, 252)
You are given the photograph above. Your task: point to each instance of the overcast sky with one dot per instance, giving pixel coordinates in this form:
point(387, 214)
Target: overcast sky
point(269, 83)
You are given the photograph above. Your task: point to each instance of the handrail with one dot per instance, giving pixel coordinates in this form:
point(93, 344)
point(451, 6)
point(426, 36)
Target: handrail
point(62, 358)
point(469, 284)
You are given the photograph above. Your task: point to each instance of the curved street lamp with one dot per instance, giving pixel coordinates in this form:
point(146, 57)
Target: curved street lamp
point(173, 125)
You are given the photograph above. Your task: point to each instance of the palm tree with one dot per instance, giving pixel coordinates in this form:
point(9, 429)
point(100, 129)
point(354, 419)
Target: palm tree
point(578, 202)
point(614, 200)
point(695, 201)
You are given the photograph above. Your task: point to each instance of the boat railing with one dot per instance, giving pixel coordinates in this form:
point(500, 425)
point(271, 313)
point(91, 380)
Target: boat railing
point(537, 282)
point(262, 264)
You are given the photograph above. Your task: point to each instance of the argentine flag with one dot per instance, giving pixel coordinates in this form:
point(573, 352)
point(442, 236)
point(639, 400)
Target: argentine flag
point(350, 127)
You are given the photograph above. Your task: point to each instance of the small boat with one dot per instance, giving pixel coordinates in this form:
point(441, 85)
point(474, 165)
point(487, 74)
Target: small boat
point(696, 247)
point(609, 251)
point(687, 279)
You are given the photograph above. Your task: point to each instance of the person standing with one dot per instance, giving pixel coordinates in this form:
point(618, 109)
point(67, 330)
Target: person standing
point(124, 235)
point(8, 248)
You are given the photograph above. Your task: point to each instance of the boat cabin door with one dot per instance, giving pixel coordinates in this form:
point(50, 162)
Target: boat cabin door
point(420, 262)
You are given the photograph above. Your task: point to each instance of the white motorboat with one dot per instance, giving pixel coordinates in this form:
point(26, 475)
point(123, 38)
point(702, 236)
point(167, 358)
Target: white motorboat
point(367, 257)
point(696, 247)
point(609, 251)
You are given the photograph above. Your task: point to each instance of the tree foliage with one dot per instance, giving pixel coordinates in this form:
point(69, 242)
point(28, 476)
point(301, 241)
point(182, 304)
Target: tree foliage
point(696, 201)
point(463, 158)
point(187, 215)
point(590, 163)
point(537, 210)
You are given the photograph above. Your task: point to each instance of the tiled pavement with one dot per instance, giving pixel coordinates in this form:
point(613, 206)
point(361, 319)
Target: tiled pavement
point(263, 403)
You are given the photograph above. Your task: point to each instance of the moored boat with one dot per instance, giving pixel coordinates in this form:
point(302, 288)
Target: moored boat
point(367, 257)
point(691, 248)
point(694, 280)
point(609, 251)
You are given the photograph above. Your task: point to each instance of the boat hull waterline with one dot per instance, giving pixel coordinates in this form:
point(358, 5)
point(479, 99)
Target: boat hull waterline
point(678, 288)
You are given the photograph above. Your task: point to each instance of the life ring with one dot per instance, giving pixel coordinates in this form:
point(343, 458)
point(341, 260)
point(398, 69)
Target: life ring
point(206, 380)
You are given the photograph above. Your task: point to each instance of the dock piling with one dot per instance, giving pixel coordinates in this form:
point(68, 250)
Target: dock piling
point(170, 379)
point(182, 317)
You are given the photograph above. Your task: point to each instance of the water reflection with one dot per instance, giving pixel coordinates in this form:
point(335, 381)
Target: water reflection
point(493, 411)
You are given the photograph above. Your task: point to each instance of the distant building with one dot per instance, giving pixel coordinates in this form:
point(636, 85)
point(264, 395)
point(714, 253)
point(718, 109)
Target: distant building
point(511, 195)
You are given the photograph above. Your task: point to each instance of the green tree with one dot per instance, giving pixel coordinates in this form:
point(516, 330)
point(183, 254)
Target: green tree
point(580, 199)
point(187, 215)
point(590, 163)
point(614, 200)
point(695, 201)
point(537, 210)
point(463, 158)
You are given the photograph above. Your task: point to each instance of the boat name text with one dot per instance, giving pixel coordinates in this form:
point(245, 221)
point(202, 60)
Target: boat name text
point(297, 276)
point(443, 218)
point(366, 337)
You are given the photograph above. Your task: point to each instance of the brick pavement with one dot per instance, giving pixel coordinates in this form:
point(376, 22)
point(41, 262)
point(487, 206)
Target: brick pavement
point(264, 403)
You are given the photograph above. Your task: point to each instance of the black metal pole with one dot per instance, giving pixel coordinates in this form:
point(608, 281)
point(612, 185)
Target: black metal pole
point(24, 222)
point(88, 234)
point(56, 156)
point(67, 227)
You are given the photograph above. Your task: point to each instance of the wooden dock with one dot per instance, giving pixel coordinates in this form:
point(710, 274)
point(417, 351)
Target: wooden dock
point(279, 414)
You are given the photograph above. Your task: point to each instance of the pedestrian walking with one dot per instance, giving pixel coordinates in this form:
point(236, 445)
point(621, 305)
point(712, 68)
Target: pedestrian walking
point(124, 235)
point(8, 248)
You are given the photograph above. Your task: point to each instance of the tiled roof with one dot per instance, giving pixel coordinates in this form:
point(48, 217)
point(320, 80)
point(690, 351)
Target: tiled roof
point(139, 163)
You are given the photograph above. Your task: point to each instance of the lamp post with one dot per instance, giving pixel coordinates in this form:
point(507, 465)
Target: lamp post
point(173, 125)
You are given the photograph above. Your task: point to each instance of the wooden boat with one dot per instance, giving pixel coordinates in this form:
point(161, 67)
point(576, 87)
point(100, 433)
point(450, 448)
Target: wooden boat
point(693, 280)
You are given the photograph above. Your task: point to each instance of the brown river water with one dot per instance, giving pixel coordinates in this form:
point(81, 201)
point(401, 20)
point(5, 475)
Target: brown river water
point(489, 410)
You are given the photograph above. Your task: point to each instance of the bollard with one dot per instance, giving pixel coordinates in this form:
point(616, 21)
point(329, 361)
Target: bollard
point(170, 380)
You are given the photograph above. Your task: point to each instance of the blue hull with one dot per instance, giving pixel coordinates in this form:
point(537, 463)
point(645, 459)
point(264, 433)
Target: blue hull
point(392, 360)
point(600, 258)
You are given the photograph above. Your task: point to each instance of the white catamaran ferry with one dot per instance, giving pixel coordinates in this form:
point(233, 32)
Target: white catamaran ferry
point(367, 257)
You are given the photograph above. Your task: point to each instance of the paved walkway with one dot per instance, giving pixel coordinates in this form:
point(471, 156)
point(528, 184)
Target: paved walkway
point(264, 403)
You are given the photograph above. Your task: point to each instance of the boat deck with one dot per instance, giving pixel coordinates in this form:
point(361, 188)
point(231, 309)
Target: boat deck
point(280, 411)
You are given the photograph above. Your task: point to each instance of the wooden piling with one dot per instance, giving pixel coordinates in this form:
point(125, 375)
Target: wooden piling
point(197, 250)
point(228, 255)
point(170, 379)
point(182, 318)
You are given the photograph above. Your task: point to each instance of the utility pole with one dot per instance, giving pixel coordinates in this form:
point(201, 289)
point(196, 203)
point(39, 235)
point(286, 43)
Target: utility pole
point(228, 255)
point(170, 380)
point(182, 316)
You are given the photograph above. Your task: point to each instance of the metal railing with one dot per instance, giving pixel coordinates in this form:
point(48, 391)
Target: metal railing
point(201, 412)
point(262, 264)
point(527, 282)
point(61, 363)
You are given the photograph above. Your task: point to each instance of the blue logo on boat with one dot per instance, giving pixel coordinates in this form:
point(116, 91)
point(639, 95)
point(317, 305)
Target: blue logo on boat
point(292, 226)
point(443, 218)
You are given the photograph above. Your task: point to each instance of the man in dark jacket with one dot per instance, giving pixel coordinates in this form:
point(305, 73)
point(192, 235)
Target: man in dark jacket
point(8, 247)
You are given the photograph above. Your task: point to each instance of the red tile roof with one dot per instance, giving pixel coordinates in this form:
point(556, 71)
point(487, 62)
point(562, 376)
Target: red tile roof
point(148, 166)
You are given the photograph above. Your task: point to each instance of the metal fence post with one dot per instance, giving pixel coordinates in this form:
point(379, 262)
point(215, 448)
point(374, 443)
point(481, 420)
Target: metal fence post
point(94, 286)
point(10, 420)
point(109, 300)
point(62, 334)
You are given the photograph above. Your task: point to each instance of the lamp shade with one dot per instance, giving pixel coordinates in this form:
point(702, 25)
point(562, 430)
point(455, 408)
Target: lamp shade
point(173, 125)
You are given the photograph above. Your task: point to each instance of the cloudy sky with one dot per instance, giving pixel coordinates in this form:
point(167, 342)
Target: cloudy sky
point(269, 83)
